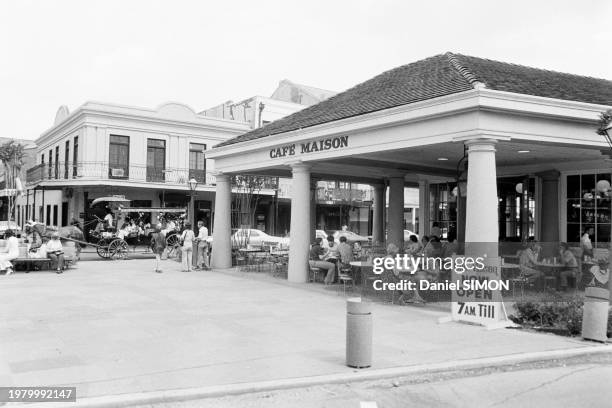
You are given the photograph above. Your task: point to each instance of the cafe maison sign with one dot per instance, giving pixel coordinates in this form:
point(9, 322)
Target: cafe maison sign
point(309, 147)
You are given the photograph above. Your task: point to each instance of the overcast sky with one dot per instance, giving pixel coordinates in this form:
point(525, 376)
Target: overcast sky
point(203, 53)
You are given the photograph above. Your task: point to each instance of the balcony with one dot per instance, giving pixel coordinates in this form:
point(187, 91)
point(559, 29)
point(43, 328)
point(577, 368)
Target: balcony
point(95, 171)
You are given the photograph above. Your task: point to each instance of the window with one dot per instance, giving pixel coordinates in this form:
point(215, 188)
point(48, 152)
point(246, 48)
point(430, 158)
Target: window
point(588, 205)
point(75, 155)
point(119, 157)
point(156, 160)
point(56, 172)
point(55, 215)
point(67, 159)
point(42, 158)
point(48, 219)
point(197, 162)
point(50, 163)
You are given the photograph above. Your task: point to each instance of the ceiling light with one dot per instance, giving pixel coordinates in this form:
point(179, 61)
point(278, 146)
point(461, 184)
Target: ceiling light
point(442, 158)
point(524, 151)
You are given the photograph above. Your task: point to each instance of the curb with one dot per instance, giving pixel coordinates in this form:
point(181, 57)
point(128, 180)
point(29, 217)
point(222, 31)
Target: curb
point(153, 397)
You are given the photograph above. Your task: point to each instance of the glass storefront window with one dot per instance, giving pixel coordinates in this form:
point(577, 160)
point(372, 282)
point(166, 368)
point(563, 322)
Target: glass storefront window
point(588, 205)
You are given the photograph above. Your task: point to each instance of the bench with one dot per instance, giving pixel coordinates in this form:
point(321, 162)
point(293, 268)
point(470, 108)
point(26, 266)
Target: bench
point(70, 258)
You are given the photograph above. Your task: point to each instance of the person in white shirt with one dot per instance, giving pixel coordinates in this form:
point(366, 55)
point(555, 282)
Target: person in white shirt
point(9, 252)
point(55, 252)
point(108, 218)
point(585, 242)
point(202, 254)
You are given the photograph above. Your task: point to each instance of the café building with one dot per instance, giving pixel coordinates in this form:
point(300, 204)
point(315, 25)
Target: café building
point(499, 152)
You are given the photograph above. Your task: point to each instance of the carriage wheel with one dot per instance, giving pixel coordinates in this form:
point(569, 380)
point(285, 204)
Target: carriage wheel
point(173, 243)
point(102, 249)
point(118, 249)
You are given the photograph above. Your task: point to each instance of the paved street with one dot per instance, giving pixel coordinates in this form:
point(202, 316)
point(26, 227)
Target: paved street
point(565, 383)
point(116, 327)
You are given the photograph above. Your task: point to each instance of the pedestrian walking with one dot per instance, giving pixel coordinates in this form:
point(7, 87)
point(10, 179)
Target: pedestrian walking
point(158, 246)
point(187, 238)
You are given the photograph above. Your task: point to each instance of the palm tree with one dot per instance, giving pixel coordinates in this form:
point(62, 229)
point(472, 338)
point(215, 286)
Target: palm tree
point(11, 156)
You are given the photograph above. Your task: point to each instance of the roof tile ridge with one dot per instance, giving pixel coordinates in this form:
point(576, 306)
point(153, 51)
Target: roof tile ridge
point(464, 71)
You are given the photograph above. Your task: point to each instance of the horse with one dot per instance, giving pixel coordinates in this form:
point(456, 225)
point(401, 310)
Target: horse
point(71, 232)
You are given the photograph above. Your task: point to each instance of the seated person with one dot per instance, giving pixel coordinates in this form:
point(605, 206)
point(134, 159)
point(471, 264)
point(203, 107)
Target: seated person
point(32, 237)
point(124, 231)
point(410, 296)
point(316, 261)
point(55, 252)
point(570, 265)
point(528, 259)
point(9, 252)
point(40, 252)
point(433, 248)
point(333, 253)
point(345, 251)
point(358, 251)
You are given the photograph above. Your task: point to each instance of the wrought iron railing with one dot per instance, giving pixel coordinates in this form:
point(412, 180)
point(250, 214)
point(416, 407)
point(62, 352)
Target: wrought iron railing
point(102, 170)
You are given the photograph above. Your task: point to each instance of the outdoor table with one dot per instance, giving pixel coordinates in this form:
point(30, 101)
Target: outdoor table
point(551, 270)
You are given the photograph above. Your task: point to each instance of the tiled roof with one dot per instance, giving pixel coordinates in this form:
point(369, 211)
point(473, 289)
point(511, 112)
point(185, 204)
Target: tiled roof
point(433, 77)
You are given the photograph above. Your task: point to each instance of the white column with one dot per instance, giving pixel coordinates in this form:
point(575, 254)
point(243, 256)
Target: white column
point(395, 221)
point(378, 214)
point(299, 233)
point(423, 208)
point(222, 248)
point(481, 223)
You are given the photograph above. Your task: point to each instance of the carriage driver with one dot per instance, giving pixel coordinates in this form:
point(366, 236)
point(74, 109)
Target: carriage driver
point(108, 219)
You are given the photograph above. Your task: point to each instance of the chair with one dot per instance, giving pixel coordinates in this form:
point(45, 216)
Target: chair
point(346, 278)
point(314, 272)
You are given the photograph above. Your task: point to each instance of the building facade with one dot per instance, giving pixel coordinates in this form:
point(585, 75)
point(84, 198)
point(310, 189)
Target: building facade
point(146, 155)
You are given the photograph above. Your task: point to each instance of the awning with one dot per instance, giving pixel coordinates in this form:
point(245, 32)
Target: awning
point(152, 209)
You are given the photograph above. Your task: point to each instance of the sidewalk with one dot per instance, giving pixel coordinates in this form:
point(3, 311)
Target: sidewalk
point(116, 327)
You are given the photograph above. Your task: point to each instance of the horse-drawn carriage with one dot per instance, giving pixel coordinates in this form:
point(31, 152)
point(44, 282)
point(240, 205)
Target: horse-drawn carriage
point(132, 231)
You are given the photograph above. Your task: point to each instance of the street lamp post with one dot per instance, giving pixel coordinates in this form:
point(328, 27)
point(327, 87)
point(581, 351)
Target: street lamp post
point(192, 183)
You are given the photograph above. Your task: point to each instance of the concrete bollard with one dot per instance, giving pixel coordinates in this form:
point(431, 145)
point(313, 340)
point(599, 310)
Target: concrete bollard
point(358, 333)
point(595, 314)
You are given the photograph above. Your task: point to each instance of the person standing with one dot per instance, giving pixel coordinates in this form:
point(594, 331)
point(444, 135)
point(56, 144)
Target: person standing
point(202, 249)
point(9, 252)
point(187, 238)
point(158, 245)
point(586, 244)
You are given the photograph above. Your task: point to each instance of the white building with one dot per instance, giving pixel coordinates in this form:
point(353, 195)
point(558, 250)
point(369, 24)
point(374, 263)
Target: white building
point(103, 149)
point(258, 111)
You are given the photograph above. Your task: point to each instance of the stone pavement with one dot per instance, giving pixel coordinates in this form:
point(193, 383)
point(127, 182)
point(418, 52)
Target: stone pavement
point(117, 327)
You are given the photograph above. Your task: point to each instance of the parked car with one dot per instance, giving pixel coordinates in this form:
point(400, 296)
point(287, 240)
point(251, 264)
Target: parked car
point(407, 234)
point(4, 225)
point(257, 238)
point(351, 237)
